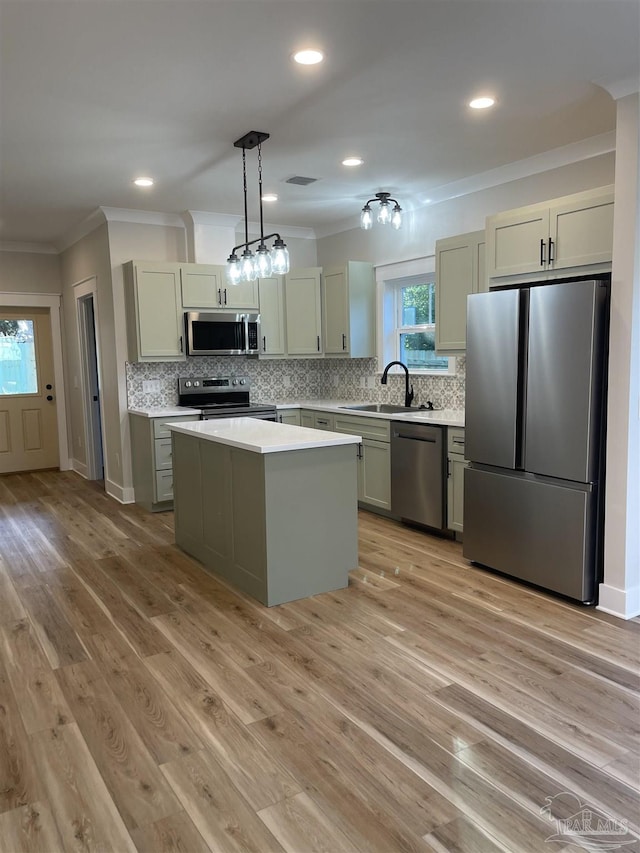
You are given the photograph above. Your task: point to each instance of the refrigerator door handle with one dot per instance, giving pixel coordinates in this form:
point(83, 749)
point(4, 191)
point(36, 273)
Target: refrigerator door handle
point(521, 396)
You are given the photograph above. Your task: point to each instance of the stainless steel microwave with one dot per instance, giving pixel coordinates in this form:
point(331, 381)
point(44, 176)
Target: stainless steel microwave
point(220, 333)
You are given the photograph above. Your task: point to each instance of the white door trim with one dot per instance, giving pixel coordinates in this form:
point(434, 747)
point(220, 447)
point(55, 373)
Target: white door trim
point(81, 290)
point(52, 302)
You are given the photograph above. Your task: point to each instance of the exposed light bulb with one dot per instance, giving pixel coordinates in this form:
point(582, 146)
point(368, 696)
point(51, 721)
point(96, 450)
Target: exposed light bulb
point(384, 214)
point(280, 258)
point(234, 270)
point(248, 267)
point(396, 217)
point(263, 263)
point(366, 218)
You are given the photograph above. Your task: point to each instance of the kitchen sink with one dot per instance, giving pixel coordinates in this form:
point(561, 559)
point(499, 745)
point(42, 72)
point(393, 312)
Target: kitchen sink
point(379, 407)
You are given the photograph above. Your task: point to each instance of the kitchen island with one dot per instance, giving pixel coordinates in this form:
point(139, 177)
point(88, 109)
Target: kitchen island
point(270, 507)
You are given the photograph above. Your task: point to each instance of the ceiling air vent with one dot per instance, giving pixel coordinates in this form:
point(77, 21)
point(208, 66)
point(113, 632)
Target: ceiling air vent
point(300, 181)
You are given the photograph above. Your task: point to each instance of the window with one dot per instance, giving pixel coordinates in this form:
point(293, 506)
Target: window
point(409, 321)
point(18, 373)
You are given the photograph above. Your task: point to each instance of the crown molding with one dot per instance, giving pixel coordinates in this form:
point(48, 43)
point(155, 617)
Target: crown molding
point(29, 248)
point(622, 88)
point(204, 217)
point(284, 230)
point(555, 158)
point(94, 220)
point(142, 217)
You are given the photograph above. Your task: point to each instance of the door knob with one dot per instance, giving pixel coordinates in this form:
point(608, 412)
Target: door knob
point(49, 387)
point(49, 397)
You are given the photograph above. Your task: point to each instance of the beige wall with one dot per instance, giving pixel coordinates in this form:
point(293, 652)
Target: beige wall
point(28, 272)
point(421, 229)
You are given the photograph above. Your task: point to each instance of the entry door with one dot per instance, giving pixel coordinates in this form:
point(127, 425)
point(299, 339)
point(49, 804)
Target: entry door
point(28, 420)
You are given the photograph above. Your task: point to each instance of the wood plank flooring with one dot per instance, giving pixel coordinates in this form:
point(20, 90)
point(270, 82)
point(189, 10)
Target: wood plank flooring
point(431, 706)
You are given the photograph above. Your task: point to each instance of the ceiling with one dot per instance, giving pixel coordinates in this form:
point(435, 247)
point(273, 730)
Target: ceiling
point(96, 92)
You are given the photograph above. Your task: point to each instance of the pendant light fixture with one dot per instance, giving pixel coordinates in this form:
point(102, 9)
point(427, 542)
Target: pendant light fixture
point(386, 213)
point(265, 262)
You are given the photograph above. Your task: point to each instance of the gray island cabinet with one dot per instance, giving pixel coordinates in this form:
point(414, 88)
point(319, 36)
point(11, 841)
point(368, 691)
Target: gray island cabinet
point(270, 507)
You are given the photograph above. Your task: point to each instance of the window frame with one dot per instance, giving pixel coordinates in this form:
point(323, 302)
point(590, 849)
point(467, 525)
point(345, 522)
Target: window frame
point(391, 278)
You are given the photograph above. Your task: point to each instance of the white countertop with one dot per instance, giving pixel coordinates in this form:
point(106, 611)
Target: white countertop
point(437, 417)
point(164, 411)
point(262, 436)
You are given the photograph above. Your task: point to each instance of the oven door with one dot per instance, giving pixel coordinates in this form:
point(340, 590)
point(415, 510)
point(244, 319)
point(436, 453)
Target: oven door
point(221, 334)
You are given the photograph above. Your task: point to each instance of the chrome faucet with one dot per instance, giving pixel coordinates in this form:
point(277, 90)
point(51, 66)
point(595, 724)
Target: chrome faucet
point(408, 394)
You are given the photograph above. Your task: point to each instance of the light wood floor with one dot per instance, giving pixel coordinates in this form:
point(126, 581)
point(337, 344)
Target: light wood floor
point(430, 706)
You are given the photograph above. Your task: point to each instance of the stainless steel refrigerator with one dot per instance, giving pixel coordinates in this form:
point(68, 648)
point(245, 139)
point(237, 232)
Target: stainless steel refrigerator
point(535, 428)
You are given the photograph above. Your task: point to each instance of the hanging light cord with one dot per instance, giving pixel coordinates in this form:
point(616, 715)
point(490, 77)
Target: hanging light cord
point(244, 177)
point(260, 192)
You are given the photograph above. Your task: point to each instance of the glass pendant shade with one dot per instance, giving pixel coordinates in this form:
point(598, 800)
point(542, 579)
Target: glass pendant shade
point(234, 271)
point(280, 258)
point(248, 267)
point(366, 219)
point(396, 217)
point(263, 262)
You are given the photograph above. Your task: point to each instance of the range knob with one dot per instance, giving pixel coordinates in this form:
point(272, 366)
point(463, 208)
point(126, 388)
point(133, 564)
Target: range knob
point(196, 384)
point(242, 382)
point(187, 384)
point(234, 381)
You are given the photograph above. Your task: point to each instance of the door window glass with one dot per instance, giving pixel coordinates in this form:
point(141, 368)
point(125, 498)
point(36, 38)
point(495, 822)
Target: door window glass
point(18, 372)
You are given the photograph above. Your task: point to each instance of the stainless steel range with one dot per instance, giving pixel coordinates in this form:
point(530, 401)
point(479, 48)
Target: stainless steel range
point(222, 397)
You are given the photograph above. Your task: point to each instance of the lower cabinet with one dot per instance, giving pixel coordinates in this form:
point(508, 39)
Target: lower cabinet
point(374, 458)
point(289, 416)
point(152, 460)
point(456, 463)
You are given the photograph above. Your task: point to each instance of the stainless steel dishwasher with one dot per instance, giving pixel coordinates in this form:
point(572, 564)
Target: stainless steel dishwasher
point(417, 473)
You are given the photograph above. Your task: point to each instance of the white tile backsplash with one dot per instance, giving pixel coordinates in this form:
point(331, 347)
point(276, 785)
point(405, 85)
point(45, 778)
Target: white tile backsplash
point(156, 383)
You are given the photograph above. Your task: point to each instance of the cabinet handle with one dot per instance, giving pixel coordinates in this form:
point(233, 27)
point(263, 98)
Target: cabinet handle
point(225, 296)
point(264, 343)
point(541, 252)
point(318, 343)
point(219, 296)
point(344, 341)
point(550, 250)
point(181, 348)
point(448, 468)
point(280, 418)
point(360, 451)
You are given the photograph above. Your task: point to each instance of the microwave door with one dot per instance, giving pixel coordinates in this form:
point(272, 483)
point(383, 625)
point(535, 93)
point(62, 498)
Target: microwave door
point(210, 334)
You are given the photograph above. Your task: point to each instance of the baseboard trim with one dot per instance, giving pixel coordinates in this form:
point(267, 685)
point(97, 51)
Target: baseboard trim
point(79, 468)
point(623, 603)
point(122, 495)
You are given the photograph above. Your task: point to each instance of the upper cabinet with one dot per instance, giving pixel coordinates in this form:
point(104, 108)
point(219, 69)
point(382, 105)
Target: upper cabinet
point(154, 311)
point(561, 235)
point(205, 286)
point(303, 312)
point(460, 271)
point(348, 302)
point(272, 316)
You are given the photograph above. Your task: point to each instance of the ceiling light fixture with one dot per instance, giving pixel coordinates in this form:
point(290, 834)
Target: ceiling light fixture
point(265, 263)
point(386, 214)
point(352, 161)
point(482, 103)
point(308, 57)
point(143, 182)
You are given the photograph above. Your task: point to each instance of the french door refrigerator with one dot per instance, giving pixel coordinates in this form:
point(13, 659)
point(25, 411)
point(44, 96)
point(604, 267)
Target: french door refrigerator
point(535, 428)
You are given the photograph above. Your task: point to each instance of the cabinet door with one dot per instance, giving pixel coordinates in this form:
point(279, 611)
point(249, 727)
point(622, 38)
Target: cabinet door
point(158, 312)
point(376, 473)
point(480, 281)
point(289, 416)
point(517, 241)
point(302, 311)
point(307, 419)
point(454, 282)
point(336, 311)
point(272, 316)
point(455, 492)
point(582, 232)
point(243, 296)
point(202, 285)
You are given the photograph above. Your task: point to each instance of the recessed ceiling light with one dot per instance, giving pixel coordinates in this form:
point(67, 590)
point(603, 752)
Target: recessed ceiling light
point(308, 57)
point(143, 182)
point(352, 161)
point(482, 103)
point(269, 197)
